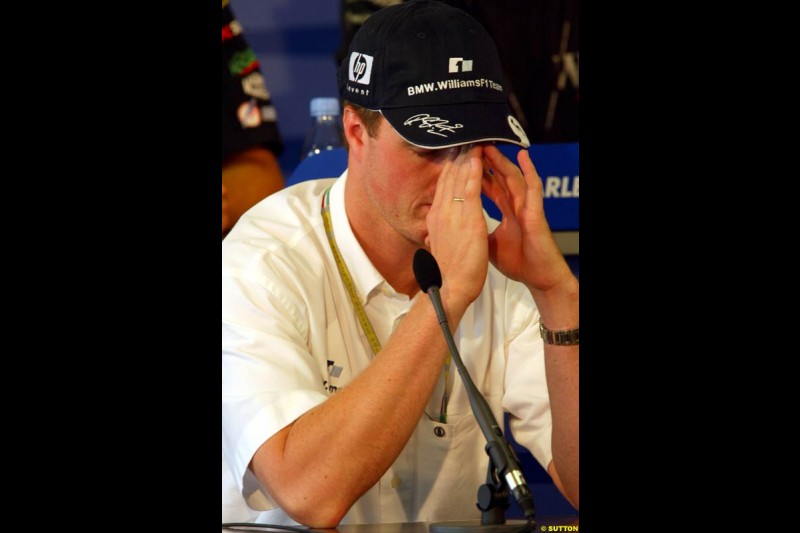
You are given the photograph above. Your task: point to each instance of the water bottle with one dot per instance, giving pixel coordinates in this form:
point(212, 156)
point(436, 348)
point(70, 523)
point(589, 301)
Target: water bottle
point(325, 132)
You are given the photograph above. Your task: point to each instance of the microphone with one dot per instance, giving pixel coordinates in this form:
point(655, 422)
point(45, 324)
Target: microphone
point(429, 278)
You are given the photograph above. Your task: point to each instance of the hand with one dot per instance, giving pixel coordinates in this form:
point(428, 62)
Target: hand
point(522, 246)
point(457, 232)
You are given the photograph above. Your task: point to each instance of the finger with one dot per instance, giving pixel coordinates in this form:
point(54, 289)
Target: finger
point(504, 205)
point(442, 184)
point(532, 179)
point(510, 175)
point(473, 174)
point(461, 171)
point(529, 169)
point(490, 185)
point(499, 162)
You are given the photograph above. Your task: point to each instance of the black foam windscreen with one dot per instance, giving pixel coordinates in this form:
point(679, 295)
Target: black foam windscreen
point(426, 270)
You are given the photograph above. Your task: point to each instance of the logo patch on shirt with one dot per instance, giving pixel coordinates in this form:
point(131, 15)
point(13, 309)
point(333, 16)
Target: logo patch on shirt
point(333, 372)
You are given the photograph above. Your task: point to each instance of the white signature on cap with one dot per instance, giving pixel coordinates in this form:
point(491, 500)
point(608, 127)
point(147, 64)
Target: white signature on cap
point(434, 125)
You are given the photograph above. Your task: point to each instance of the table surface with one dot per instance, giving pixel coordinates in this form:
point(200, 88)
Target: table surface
point(418, 527)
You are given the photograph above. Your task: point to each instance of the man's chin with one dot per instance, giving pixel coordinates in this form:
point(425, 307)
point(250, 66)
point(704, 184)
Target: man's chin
point(420, 239)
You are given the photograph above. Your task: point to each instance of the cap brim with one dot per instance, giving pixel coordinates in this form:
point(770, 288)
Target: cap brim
point(443, 126)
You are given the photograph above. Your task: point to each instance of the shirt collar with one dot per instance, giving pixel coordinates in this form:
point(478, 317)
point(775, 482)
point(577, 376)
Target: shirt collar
point(365, 276)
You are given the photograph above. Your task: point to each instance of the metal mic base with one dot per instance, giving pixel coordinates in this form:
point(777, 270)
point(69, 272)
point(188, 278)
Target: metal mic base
point(475, 526)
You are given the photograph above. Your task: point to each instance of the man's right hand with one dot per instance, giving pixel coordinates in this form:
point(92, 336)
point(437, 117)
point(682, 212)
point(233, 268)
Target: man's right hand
point(457, 231)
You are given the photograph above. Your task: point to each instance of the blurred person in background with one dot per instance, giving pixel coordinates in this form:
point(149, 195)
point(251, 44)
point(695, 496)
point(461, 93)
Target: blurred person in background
point(251, 141)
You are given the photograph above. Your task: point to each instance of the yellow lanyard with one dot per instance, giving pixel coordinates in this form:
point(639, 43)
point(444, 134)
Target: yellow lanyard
point(345, 275)
point(362, 315)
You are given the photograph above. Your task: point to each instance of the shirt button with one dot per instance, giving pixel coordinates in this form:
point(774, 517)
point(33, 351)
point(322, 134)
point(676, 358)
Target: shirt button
point(438, 431)
point(396, 481)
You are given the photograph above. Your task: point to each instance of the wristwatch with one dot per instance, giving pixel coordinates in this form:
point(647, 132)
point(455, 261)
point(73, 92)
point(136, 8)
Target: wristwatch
point(566, 337)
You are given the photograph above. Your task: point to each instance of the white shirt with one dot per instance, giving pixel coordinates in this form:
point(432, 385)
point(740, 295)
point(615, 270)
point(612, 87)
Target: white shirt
point(291, 338)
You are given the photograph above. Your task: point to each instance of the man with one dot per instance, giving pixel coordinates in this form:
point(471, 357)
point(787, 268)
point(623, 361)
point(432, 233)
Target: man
point(339, 405)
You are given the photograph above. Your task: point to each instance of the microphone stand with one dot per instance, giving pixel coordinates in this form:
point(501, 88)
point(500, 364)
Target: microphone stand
point(504, 473)
point(493, 498)
point(493, 495)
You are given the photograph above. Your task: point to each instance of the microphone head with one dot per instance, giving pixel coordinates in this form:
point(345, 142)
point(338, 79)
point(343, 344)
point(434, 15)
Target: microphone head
point(426, 270)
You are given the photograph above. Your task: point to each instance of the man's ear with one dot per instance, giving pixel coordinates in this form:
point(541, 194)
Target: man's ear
point(354, 131)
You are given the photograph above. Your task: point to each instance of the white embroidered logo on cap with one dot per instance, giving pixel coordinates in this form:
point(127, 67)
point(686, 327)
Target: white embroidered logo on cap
point(517, 128)
point(466, 65)
point(360, 68)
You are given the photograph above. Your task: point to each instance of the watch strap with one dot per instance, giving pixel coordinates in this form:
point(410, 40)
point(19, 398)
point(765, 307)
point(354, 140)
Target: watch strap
point(565, 337)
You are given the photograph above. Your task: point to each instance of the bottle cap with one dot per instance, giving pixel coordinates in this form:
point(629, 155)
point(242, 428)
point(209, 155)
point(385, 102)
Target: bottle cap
point(324, 106)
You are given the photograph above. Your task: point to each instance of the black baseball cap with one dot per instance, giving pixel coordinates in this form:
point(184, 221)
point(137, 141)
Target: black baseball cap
point(434, 73)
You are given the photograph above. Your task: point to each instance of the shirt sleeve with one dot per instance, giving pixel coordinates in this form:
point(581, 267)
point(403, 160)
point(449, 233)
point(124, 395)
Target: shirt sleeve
point(269, 377)
point(526, 397)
